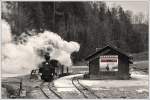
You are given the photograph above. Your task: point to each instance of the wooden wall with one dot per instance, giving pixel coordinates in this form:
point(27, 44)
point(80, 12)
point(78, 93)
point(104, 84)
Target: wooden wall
point(94, 67)
point(122, 73)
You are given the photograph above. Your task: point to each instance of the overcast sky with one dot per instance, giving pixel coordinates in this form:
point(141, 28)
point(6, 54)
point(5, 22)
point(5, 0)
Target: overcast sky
point(134, 6)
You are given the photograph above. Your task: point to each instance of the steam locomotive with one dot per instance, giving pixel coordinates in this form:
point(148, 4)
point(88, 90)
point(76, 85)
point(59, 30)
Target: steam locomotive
point(50, 69)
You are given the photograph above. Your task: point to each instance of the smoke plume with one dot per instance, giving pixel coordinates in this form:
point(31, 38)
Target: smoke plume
point(23, 56)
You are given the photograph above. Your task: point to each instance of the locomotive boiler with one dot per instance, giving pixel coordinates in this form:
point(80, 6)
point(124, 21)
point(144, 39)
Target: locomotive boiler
point(51, 68)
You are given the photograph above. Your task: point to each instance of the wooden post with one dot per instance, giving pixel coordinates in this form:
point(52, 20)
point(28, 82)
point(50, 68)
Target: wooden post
point(62, 71)
point(67, 70)
point(20, 87)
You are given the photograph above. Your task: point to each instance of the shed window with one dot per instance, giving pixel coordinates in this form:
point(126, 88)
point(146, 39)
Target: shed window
point(108, 63)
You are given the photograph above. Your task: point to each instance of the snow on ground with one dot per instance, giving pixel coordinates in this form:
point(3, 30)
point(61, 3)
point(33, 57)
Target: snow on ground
point(138, 76)
point(137, 87)
point(65, 83)
point(137, 80)
point(142, 90)
point(6, 75)
point(141, 62)
point(4, 93)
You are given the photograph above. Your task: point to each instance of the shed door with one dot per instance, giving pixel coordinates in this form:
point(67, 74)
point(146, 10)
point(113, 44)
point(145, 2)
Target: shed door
point(108, 63)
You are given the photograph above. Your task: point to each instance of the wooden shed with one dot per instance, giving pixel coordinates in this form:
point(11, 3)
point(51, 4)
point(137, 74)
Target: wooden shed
point(109, 63)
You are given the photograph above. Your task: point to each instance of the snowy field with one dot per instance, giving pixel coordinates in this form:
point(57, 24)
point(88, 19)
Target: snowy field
point(135, 88)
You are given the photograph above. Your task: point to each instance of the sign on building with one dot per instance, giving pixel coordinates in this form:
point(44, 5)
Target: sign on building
point(108, 63)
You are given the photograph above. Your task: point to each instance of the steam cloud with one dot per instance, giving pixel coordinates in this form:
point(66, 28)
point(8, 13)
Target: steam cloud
point(22, 57)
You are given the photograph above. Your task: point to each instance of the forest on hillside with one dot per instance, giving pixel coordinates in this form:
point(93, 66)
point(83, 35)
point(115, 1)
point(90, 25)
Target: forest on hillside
point(91, 24)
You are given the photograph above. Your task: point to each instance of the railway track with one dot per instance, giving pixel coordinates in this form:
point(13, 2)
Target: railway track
point(56, 94)
point(85, 91)
point(48, 91)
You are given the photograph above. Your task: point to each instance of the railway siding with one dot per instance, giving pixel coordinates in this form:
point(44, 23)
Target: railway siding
point(48, 91)
point(85, 91)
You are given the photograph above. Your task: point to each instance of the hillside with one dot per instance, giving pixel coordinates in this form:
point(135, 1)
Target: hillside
point(91, 24)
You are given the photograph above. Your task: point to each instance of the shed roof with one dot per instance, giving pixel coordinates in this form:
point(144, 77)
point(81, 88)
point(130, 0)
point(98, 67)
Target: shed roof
point(105, 48)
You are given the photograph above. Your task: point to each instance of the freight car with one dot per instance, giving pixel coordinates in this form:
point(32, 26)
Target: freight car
point(60, 70)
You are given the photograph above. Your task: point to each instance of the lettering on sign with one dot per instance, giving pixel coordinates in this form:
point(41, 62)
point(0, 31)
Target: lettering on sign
point(108, 63)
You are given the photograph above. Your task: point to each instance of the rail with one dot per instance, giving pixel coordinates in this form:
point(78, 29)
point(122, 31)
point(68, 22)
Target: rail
point(54, 92)
point(50, 90)
point(41, 88)
point(90, 90)
point(83, 89)
point(73, 82)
